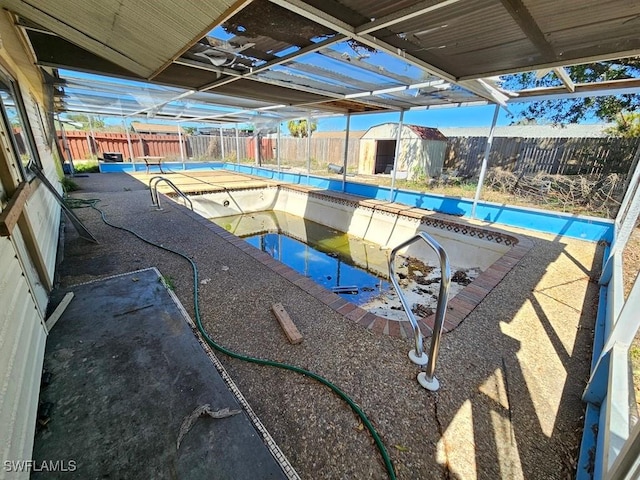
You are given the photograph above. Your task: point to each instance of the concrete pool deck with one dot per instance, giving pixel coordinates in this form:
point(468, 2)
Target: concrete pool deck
point(512, 373)
point(102, 418)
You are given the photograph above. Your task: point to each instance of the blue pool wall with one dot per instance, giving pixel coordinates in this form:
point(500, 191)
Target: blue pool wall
point(555, 223)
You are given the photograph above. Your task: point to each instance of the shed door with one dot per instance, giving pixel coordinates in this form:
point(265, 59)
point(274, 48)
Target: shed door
point(385, 154)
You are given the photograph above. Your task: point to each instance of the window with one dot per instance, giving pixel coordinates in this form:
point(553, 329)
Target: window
point(17, 125)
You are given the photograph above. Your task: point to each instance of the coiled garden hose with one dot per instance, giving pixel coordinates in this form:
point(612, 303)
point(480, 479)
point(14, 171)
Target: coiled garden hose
point(92, 203)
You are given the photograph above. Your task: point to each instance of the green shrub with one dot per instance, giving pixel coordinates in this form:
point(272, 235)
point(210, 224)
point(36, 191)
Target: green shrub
point(87, 167)
point(68, 185)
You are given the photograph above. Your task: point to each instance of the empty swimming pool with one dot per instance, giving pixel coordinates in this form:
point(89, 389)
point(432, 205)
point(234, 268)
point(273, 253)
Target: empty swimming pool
point(350, 238)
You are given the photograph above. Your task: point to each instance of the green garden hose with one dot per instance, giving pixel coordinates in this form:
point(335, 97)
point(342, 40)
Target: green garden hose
point(80, 203)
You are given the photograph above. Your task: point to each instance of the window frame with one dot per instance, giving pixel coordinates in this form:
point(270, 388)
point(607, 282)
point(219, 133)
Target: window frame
point(6, 80)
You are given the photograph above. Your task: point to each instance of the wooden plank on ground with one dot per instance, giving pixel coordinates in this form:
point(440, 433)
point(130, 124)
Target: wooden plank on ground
point(57, 313)
point(286, 323)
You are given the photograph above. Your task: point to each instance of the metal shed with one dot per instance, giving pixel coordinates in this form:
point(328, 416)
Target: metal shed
point(422, 150)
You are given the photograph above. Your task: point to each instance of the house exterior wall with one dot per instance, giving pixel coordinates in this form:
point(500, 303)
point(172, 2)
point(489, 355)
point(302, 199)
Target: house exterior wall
point(27, 261)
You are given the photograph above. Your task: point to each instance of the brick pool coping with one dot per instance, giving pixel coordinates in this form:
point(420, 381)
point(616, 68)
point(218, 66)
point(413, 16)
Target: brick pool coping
point(458, 308)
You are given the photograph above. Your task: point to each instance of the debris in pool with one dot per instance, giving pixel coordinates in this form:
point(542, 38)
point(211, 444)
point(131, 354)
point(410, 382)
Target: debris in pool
point(351, 289)
point(461, 278)
point(421, 310)
point(332, 254)
point(367, 289)
point(420, 289)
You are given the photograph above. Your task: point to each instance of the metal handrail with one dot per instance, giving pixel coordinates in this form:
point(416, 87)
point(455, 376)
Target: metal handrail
point(155, 198)
point(426, 379)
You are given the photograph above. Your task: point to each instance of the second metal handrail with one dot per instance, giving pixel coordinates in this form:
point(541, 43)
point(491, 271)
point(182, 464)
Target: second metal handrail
point(427, 379)
point(155, 198)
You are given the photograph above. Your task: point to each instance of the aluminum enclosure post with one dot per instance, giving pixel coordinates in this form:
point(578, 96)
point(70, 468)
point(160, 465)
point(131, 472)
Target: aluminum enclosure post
point(396, 155)
point(485, 161)
point(346, 153)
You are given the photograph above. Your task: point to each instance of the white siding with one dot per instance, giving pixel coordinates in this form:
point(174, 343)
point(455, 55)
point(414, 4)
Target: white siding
point(23, 301)
point(38, 291)
point(22, 341)
point(44, 214)
point(42, 208)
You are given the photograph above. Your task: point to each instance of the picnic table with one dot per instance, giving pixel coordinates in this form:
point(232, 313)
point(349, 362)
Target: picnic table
point(149, 161)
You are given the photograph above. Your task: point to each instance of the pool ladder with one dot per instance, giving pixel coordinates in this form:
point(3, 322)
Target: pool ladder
point(155, 198)
point(427, 379)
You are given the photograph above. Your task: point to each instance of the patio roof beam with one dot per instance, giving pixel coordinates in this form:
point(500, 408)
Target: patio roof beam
point(278, 61)
point(400, 88)
point(318, 16)
point(239, 112)
point(612, 87)
point(402, 15)
point(556, 63)
point(478, 103)
point(529, 27)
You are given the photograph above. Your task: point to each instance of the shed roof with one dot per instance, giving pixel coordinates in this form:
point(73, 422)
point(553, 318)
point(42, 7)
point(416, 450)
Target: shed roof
point(427, 133)
point(388, 130)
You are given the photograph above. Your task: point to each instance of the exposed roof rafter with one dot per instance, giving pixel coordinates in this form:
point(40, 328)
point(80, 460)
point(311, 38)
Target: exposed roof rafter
point(529, 26)
point(563, 75)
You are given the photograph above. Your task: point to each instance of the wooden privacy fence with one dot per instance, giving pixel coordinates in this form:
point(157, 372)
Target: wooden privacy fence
point(83, 145)
point(562, 156)
point(214, 147)
point(293, 151)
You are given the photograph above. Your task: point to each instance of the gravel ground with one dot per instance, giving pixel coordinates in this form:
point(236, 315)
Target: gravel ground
point(512, 373)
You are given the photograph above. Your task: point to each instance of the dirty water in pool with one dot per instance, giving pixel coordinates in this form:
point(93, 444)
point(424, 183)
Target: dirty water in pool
point(351, 267)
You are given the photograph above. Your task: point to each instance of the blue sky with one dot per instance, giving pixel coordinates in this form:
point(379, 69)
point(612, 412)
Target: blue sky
point(477, 116)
